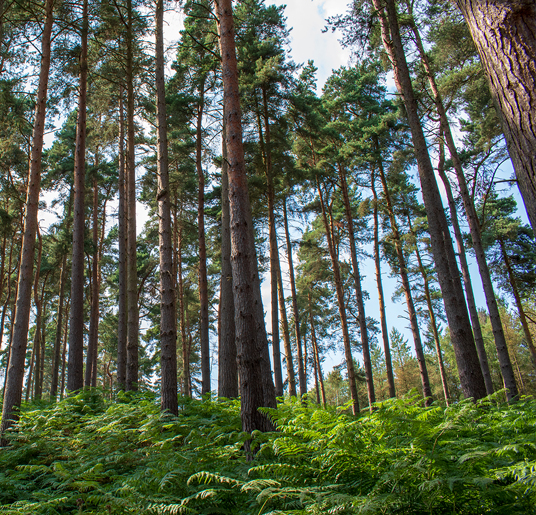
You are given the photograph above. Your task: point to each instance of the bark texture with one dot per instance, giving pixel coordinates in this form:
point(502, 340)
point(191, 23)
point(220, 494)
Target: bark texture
point(256, 385)
point(168, 326)
point(504, 32)
point(75, 366)
point(19, 341)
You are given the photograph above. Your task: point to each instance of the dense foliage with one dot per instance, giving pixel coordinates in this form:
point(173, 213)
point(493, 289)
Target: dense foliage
point(88, 455)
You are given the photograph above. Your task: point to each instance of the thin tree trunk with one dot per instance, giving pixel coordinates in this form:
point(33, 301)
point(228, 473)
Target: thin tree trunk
point(358, 291)
point(91, 362)
point(203, 282)
point(340, 303)
point(168, 326)
point(64, 353)
point(296, 315)
point(286, 334)
point(471, 379)
point(403, 272)
point(131, 380)
point(471, 304)
point(519, 304)
point(504, 33)
point(316, 353)
point(122, 259)
point(186, 390)
point(256, 386)
point(381, 301)
point(227, 367)
point(15, 373)
point(38, 317)
point(495, 318)
point(75, 368)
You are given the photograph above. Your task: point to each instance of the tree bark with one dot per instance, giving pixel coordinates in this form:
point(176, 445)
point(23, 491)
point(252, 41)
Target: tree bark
point(203, 282)
point(122, 259)
point(495, 318)
point(504, 33)
point(471, 379)
point(256, 386)
point(227, 366)
point(38, 320)
point(381, 301)
point(91, 358)
point(168, 326)
point(186, 390)
point(15, 373)
point(75, 367)
point(316, 353)
point(131, 380)
point(295, 311)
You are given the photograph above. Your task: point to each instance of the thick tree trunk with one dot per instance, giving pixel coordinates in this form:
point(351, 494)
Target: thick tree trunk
point(403, 272)
point(227, 366)
point(15, 373)
point(203, 282)
point(471, 304)
point(122, 257)
point(75, 367)
point(471, 379)
point(504, 33)
point(495, 318)
point(286, 333)
point(256, 386)
point(295, 311)
point(340, 303)
point(131, 381)
point(381, 301)
point(91, 361)
point(358, 291)
point(168, 326)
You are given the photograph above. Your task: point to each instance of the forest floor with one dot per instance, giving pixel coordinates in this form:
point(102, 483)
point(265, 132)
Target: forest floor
point(89, 455)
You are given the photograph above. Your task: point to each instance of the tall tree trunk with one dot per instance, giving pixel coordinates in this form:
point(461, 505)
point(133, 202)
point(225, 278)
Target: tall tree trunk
point(256, 385)
point(227, 366)
point(381, 301)
point(495, 318)
point(504, 33)
point(358, 291)
point(75, 368)
point(519, 304)
point(186, 390)
point(36, 352)
point(64, 352)
point(403, 272)
point(428, 296)
point(286, 334)
point(122, 260)
point(471, 379)
point(131, 381)
point(91, 362)
point(168, 326)
point(471, 304)
point(15, 373)
point(340, 302)
point(203, 282)
point(295, 312)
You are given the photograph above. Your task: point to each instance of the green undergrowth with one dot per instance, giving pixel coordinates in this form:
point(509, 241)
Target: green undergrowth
point(88, 455)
